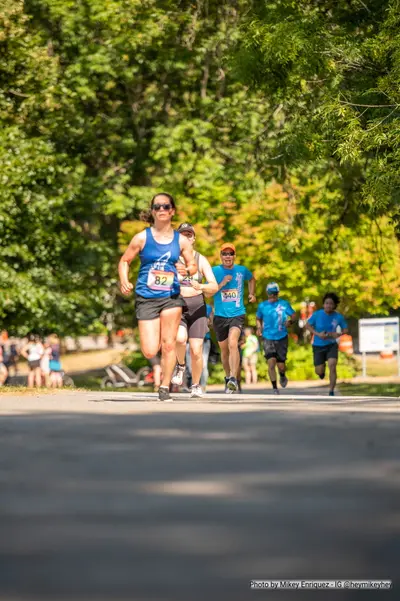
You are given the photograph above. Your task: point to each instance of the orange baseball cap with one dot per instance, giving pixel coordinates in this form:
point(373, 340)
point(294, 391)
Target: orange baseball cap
point(228, 245)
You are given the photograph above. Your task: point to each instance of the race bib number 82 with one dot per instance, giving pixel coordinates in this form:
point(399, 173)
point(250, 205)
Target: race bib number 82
point(160, 280)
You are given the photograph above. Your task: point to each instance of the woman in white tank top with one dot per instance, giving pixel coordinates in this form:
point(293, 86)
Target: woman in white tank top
point(33, 352)
point(194, 323)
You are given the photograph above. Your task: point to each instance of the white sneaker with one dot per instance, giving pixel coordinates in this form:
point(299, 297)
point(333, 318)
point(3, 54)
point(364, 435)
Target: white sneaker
point(177, 378)
point(196, 392)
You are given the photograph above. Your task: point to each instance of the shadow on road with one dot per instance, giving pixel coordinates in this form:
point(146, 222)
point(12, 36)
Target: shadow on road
point(191, 506)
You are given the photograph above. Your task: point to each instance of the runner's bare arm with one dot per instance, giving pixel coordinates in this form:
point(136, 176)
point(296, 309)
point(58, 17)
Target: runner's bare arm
point(252, 290)
point(211, 287)
point(290, 320)
point(224, 281)
point(259, 326)
point(322, 335)
point(188, 255)
point(134, 248)
point(335, 335)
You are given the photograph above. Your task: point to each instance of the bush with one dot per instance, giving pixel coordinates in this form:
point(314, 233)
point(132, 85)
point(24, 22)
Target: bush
point(135, 360)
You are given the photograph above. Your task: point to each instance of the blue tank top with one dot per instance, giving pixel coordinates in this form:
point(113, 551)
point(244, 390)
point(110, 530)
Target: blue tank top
point(158, 277)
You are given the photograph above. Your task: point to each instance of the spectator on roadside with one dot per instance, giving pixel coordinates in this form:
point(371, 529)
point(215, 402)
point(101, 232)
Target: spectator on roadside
point(56, 378)
point(33, 352)
point(250, 350)
point(10, 355)
point(3, 369)
point(45, 364)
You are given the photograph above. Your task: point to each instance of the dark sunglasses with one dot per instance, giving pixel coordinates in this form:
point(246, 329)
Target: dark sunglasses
point(228, 254)
point(166, 207)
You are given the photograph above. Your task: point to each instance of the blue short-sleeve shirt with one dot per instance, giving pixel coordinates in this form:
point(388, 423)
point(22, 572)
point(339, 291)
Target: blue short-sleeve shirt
point(228, 302)
point(326, 322)
point(274, 315)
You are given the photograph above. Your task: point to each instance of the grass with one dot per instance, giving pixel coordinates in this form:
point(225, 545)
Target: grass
point(377, 366)
point(370, 389)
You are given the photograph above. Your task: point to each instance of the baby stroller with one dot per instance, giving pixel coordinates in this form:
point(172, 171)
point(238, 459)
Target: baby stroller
point(120, 376)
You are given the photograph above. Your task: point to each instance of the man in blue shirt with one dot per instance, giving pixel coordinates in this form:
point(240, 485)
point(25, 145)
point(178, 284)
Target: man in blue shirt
point(273, 318)
point(229, 311)
point(327, 326)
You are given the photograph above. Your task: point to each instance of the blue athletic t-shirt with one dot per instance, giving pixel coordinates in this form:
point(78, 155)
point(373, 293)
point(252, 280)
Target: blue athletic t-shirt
point(274, 316)
point(324, 322)
point(228, 302)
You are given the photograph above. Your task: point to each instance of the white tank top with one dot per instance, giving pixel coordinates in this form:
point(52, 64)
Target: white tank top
point(35, 351)
point(186, 280)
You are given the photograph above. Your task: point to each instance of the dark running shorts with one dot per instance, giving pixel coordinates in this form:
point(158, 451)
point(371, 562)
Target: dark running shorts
point(222, 325)
point(194, 319)
point(150, 308)
point(276, 349)
point(34, 364)
point(323, 353)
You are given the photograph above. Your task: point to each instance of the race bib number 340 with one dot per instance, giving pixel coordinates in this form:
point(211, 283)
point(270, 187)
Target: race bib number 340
point(229, 295)
point(160, 280)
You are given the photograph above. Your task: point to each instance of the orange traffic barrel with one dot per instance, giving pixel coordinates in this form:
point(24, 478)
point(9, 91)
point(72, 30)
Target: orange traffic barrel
point(346, 344)
point(386, 355)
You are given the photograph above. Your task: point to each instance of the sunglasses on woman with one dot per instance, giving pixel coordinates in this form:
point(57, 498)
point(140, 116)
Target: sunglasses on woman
point(228, 254)
point(158, 207)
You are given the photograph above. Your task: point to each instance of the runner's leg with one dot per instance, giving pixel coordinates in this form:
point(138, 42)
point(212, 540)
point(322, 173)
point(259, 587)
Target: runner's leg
point(234, 356)
point(169, 323)
point(149, 333)
point(272, 371)
point(181, 340)
point(196, 355)
point(224, 346)
point(332, 364)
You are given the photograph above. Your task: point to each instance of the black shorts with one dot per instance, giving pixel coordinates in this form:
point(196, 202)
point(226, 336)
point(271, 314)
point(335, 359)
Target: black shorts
point(323, 353)
point(222, 325)
point(150, 308)
point(194, 319)
point(276, 349)
point(34, 364)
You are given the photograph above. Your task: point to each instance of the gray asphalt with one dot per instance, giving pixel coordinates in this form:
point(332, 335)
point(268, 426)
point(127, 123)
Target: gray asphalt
point(113, 496)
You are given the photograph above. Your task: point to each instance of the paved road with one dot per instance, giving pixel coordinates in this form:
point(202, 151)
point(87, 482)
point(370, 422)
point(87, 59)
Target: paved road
point(113, 496)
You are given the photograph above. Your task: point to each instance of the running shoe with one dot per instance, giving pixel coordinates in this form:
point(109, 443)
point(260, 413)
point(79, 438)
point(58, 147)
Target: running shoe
point(196, 392)
point(177, 378)
point(283, 381)
point(275, 391)
point(232, 384)
point(331, 393)
point(226, 384)
point(163, 394)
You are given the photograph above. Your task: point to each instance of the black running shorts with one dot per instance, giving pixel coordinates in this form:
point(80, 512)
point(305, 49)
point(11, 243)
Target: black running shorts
point(323, 353)
point(276, 349)
point(194, 319)
point(150, 308)
point(222, 325)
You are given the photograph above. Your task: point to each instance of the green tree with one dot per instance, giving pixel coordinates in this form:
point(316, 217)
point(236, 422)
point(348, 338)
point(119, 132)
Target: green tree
point(333, 69)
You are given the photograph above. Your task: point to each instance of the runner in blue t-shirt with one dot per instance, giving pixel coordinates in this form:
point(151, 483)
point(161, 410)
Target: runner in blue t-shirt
point(273, 318)
point(327, 326)
point(229, 311)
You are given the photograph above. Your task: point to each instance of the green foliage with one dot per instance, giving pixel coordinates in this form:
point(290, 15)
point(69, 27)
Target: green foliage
point(333, 68)
point(102, 104)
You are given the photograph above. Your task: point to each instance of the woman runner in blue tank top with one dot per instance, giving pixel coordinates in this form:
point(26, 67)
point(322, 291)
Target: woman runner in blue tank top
point(158, 302)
